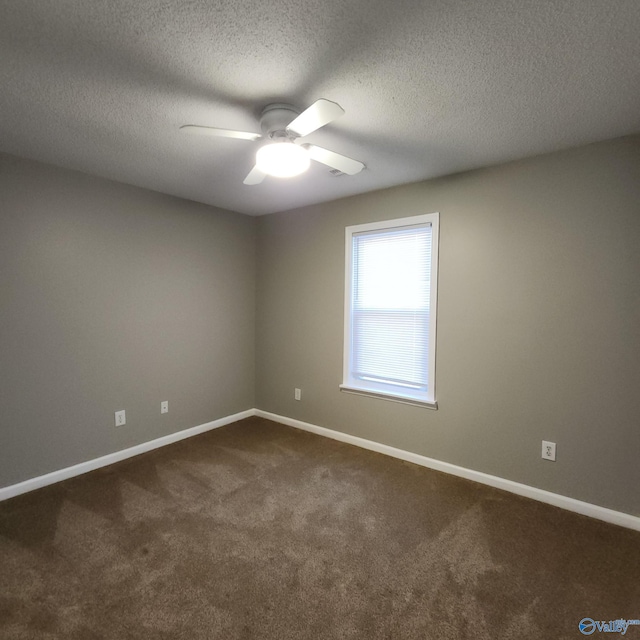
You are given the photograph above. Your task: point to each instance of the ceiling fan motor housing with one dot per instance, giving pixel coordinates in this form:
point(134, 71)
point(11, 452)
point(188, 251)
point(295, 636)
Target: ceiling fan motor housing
point(275, 118)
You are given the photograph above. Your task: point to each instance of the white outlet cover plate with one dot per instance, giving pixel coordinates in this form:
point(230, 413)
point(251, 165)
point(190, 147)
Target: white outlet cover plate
point(121, 418)
point(164, 406)
point(549, 450)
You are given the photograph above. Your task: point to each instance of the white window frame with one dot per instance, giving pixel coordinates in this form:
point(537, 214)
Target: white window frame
point(378, 390)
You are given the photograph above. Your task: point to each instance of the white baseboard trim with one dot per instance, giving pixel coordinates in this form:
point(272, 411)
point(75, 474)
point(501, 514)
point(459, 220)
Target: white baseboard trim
point(78, 469)
point(570, 504)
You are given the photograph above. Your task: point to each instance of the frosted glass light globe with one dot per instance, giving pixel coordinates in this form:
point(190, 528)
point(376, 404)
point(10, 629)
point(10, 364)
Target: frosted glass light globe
point(282, 159)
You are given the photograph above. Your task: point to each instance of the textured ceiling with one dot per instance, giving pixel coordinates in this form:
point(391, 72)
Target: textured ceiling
point(430, 87)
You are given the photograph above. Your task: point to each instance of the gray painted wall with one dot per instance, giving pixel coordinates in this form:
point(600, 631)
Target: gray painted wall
point(114, 297)
point(538, 321)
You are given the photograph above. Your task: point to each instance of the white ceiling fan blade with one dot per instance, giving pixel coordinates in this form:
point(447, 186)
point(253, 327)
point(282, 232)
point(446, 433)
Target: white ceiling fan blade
point(321, 112)
point(255, 176)
point(220, 133)
point(334, 160)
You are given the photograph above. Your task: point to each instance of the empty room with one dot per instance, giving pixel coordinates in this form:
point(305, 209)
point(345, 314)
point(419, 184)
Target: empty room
point(319, 319)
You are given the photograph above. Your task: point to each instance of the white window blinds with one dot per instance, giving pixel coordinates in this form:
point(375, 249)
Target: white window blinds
point(389, 310)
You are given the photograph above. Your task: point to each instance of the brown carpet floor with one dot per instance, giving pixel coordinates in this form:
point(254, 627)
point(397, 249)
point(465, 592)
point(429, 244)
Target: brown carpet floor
point(257, 530)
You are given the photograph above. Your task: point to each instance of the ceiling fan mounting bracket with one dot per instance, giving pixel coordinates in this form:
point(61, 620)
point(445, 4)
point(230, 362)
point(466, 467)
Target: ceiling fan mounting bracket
point(275, 118)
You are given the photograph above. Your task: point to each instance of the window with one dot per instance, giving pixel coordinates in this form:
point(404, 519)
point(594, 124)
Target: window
point(390, 309)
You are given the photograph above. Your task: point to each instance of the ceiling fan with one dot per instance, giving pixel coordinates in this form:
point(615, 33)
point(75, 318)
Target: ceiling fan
point(285, 155)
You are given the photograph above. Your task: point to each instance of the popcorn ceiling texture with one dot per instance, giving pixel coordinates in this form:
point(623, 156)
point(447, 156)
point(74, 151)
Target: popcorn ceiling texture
point(429, 88)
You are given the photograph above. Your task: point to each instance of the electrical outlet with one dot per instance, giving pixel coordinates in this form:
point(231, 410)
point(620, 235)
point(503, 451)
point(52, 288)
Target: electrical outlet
point(121, 418)
point(297, 394)
point(549, 450)
point(164, 406)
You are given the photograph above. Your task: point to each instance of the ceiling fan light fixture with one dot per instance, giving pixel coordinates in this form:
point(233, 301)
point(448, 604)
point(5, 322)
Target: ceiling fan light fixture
point(282, 159)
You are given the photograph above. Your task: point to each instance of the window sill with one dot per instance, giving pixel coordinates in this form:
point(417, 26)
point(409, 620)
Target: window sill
point(425, 404)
